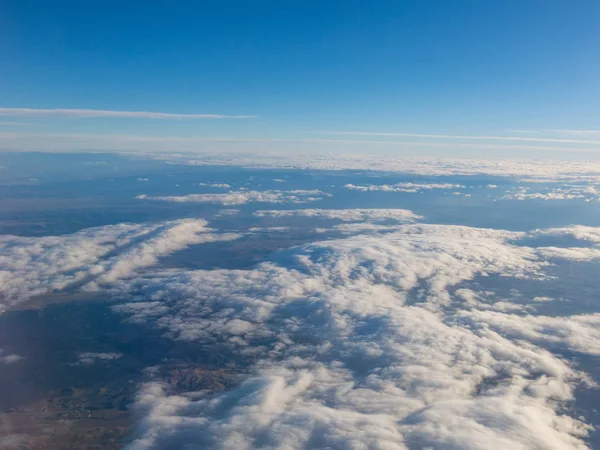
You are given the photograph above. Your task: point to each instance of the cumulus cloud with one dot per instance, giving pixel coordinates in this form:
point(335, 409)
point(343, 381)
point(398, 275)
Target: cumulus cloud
point(588, 235)
point(578, 333)
point(89, 358)
point(404, 187)
point(91, 257)
point(363, 343)
point(241, 197)
point(368, 341)
point(10, 358)
point(583, 233)
point(346, 215)
point(216, 185)
point(542, 298)
point(581, 192)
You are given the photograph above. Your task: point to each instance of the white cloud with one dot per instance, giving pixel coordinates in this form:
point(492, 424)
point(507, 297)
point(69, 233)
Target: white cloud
point(91, 113)
point(575, 132)
point(531, 170)
point(269, 229)
point(590, 235)
point(465, 137)
point(370, 341)
point(241, 197)
point(9, 359)
point(577, 333)
point(89, 358)
point(216, 185)
point(568, 192)
point(36, 266)
point(558, 131)
point(172, 238)
point(542, 299)
point(404, 187)
point(228, 212)
point(584, 233)
point(307, 149)
point(523, 131)
point(361, 343)
point(346, 215)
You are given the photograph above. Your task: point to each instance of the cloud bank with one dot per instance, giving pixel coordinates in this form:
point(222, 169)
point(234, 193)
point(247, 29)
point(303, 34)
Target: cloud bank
point(91, 257)
point(364, 342)
point(530, 170)
point(378, 340)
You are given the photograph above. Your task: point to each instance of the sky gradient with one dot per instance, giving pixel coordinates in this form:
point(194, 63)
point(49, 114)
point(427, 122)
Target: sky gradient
point(396, 77)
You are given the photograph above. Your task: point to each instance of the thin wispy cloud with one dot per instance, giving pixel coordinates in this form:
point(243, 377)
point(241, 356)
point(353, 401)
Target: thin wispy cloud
point(523, 131)
point(462, 137)
point(119, 142)
point(94, 113)
point(558, 131)
point(575, 132)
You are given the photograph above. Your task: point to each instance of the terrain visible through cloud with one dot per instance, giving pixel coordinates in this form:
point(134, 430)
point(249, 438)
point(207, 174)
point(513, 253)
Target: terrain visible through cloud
point(365, 341)
point(352, 309)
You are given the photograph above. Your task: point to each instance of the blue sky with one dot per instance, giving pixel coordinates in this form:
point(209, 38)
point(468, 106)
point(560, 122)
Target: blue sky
point(301, 69)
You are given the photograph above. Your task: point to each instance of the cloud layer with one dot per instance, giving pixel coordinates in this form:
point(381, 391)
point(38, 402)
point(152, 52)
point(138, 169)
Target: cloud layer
point(365, 342)
point(546, 170)
point(388, 340)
